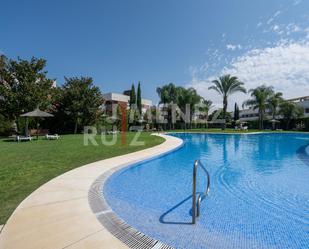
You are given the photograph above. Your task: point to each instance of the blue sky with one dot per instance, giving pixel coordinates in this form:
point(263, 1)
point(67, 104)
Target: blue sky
point(118, 42)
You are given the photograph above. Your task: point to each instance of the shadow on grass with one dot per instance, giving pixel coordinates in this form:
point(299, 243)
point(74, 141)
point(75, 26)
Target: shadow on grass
point(9, 140)
point(12, 140)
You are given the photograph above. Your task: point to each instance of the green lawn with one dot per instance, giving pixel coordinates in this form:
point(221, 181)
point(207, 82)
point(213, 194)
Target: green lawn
point(25, 166)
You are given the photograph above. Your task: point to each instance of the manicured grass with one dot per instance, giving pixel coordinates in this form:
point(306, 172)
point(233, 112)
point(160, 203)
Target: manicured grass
point(25, 166)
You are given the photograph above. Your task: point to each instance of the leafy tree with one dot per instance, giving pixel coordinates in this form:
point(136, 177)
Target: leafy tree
point(168, 95)
point(5, 126)
point(227, 85)
point(274, 101)
point(260, 100)
point(23, 86)
point(289, 111)
point(207, 104)
point(132, 96)
point(80, 101)
point(204, 108)
point(236, 112)
point(3, 68)
point(218, 114)
point(139, 98)
point(189, 97)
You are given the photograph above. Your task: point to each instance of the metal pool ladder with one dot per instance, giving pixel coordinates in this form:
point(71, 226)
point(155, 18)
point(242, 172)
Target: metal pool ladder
point(196, 204)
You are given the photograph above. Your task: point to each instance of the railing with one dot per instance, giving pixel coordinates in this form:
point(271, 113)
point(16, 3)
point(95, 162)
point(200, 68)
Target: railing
point(196, 204)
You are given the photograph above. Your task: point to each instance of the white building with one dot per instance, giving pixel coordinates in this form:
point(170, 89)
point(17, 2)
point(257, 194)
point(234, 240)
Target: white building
point(117, 98)
point(251, 114)
point(302, 102)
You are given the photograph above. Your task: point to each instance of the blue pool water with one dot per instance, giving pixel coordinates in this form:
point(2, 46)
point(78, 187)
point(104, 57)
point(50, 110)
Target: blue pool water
point(259, 195)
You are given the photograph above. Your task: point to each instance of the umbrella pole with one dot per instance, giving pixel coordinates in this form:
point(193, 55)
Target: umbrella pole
point(26, 128)
point(37, 129)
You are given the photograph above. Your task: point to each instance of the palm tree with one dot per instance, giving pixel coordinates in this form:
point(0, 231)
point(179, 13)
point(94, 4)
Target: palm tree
point(187, 97)
point(274, 102)
point(204, 108)
point(260, 100)
point(227, 85)
point(289, 111)
point(168, 95)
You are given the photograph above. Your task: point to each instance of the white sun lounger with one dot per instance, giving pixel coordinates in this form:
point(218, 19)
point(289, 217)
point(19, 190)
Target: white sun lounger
point(23, 138)
point(112, 132)
point(52, 137)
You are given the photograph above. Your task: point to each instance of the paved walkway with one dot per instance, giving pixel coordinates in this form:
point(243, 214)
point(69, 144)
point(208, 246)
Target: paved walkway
point(57, 215)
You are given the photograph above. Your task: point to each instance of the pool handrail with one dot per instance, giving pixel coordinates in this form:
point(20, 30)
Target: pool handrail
point(196, 204)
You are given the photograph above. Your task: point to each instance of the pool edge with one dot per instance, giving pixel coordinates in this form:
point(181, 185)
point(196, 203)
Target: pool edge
point(110, 220)
point(58, 215)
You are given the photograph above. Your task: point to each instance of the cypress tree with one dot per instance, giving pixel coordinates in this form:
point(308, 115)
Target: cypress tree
point(236, 112)
point(132, 96)
point(139, 98)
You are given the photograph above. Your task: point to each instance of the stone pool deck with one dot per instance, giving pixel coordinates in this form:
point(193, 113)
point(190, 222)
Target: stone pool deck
point(58, 215)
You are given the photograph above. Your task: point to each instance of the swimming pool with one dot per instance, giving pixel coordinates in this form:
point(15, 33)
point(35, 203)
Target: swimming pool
point(259, 195)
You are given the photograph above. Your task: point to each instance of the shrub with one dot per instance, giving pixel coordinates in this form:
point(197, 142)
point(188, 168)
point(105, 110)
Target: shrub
point(6, 126)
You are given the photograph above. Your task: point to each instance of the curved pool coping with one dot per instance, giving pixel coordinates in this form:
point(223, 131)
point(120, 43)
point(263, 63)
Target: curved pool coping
point(118, 227)
point(59, 215)
point(111, 221)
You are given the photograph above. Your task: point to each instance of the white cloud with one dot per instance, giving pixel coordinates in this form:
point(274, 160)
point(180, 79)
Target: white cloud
point(270, 20)
point(306, 30)
point(276, 22)
point(230, 47)
point(285, 30)
point(296, 2)
point(284, 66)
point(296, 28)
point(233, 47)
point(277, 13)
point(276, 27)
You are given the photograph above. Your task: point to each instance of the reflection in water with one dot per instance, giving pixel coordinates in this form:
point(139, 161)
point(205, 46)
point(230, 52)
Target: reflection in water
point(302, 153)
point(164, 219)
point(259, 195)
point(236, 143)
